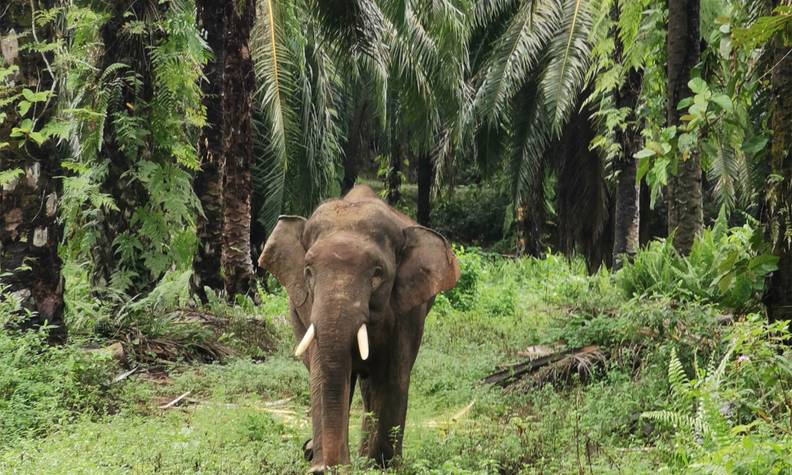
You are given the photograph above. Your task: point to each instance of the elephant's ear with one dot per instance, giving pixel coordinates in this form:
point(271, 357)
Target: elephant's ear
point(284, 257)
point(427, 267)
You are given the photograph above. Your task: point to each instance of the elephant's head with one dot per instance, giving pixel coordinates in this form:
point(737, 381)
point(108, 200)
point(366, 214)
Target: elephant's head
point(350, 270)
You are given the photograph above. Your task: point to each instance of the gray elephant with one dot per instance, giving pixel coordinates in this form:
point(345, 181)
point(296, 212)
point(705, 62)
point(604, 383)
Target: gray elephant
point(361, 278)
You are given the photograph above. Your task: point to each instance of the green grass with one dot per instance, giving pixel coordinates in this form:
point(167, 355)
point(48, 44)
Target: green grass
point(249, 416)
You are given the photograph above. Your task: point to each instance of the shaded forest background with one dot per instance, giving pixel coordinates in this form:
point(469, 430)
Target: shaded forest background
point(148, 144)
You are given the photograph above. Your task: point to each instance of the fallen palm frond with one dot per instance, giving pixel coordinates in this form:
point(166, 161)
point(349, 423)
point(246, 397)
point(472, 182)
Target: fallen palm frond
point(457, 417)
point(191, 335)
point(544, 364)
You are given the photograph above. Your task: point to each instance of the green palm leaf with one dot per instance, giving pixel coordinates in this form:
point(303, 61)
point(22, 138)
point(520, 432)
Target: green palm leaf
point(569, 53)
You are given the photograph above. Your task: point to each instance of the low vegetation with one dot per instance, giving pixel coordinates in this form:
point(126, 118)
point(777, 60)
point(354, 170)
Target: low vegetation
point(675, 379)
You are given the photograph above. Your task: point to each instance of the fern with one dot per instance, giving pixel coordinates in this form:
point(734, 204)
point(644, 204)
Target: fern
point(145, 106)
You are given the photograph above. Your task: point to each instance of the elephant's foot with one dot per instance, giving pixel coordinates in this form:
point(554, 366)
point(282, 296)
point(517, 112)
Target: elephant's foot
point(308, 452)
point(318, 468)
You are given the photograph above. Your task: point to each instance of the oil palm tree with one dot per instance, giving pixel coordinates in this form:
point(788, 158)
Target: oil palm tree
point(685, 199)
point(237, 108)
point(349, 79)
point(30, 266)
point(208, 183)
point(528, 74)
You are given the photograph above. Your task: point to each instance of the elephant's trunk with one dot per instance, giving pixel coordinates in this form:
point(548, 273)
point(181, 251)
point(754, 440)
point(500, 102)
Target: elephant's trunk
point(335, 362)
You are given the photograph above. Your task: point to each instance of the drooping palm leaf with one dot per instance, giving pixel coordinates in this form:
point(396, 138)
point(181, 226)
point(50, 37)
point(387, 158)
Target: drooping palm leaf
point(514, 58)
point(270, 56)
point(569, 53)
point(297, 120)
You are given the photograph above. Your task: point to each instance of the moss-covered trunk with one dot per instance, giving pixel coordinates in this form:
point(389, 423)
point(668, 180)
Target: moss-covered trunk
point(685, 205)
point(208, 184)
point(627, 215)
point(779, 192)
point(30, 267)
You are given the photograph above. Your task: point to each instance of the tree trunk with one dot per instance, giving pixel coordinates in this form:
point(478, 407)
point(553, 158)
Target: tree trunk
point(529, 216)
point(358, 145)
point(685, 206)
point(393, 177)
point(127, 193)
point(779, 193)
point(528, 229)
point(29, 263)
point(208, 183)
point(626, 239)
point(425, 178)
point(239, 84)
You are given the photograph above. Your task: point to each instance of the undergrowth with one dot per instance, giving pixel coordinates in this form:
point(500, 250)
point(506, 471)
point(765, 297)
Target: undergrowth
point(683, 379)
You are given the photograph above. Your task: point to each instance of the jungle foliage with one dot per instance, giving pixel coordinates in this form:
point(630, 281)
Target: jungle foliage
point(614, 176)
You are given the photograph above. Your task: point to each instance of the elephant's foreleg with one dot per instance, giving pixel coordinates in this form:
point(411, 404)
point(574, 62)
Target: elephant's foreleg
point(385, 403)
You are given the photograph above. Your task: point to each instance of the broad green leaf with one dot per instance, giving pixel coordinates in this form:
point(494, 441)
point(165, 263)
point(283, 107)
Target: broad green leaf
point(755, 144)
point(23, 107)
point(35, 96)
point(643, 169)
point(764, 264)
point(697, 85)
point(723, 101)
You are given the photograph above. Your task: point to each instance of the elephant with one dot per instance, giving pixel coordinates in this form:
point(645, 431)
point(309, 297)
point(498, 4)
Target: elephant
point(360, 278)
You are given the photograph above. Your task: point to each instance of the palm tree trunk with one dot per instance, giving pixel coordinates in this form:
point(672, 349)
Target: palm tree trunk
point(127, 193)
point(358, 145)
point(208, 183)
point(425, 178)
point(529, 215)
point(779, 193)
point(685, 206)
point(239, 84)
point(29, 263)
point(626, 239)
point(393, 177)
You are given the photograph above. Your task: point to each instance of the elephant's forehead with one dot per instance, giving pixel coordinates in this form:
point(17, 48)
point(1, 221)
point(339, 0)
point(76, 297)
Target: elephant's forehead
point(370, 219)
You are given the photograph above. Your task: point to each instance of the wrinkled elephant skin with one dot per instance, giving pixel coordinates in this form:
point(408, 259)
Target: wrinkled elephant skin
point(361, 278)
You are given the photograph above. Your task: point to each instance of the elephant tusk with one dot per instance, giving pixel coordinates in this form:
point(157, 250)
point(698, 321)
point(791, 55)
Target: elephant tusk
point(363, 346)
point(306, 341)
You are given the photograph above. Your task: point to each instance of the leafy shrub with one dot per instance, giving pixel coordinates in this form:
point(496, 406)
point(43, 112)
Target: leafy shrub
point(43, 386)
point(732, 416)
point(726, 267)
point(463, 294)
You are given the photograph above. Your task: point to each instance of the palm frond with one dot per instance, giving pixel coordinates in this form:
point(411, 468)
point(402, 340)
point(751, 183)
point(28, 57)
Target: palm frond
point(297, 123)
point(270, 56)
point(514, 57)
point(569, 53)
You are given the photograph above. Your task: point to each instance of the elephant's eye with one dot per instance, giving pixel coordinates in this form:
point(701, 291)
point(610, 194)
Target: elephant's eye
point(309, 277)
point(376, 277)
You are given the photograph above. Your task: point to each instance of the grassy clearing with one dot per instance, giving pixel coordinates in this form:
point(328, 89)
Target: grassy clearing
point(248, 415)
